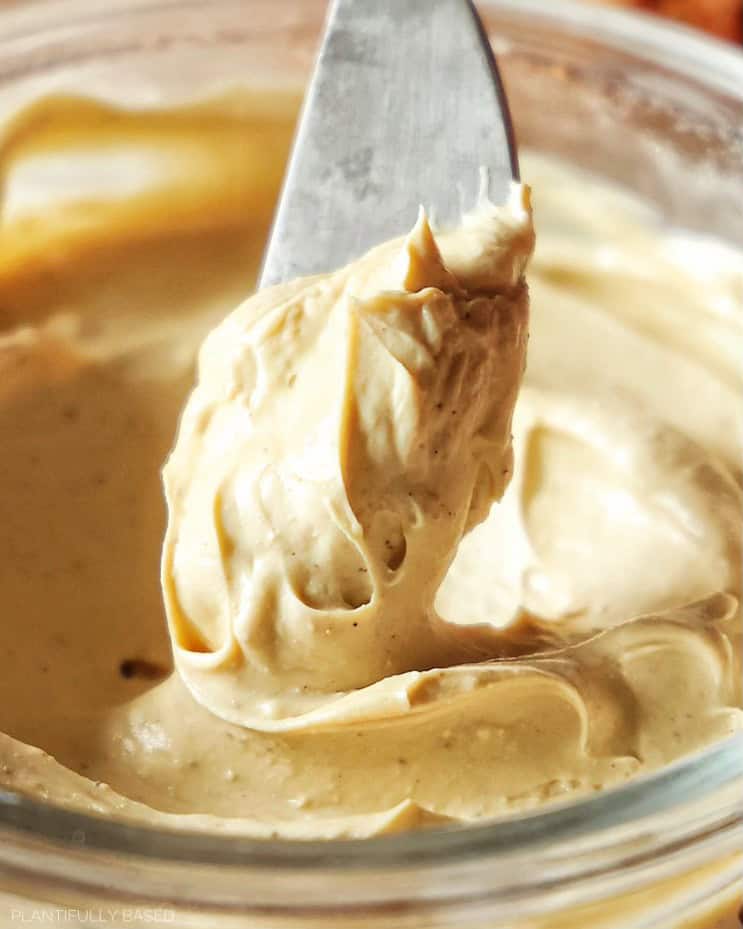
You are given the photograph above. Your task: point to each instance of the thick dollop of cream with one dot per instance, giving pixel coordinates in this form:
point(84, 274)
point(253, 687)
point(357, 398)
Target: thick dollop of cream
point(346, 431)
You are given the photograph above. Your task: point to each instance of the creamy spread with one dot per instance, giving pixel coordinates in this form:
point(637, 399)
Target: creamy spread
point(587, 629)
point(345, 432)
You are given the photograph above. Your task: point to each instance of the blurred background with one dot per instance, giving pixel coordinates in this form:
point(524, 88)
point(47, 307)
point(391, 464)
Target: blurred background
point(723, 18)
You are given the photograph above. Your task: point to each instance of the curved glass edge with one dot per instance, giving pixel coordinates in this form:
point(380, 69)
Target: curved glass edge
point(714, 776)
point(712, 780)
point(643, 34)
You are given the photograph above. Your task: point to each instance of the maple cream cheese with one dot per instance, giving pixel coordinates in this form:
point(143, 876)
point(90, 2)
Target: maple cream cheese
point(588, 627)
point(345, 432)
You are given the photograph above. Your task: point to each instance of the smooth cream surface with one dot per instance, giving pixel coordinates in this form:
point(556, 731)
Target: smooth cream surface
point(608, 574)
point(345, 432)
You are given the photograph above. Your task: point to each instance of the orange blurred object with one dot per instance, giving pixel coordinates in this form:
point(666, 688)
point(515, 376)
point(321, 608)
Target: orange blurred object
point(723, 18)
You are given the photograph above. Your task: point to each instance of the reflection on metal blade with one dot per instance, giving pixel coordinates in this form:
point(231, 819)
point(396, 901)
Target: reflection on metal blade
point(405, 107)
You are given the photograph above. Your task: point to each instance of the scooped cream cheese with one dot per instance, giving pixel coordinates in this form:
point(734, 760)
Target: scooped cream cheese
point(344, 434)
point(588, 627)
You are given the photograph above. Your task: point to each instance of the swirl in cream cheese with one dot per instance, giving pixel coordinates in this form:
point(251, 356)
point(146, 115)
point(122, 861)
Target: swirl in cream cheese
point(344, 434)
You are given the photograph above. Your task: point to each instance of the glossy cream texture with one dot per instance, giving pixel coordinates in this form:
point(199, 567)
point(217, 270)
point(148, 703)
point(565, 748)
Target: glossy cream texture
point(608, 575)
point(345, 432)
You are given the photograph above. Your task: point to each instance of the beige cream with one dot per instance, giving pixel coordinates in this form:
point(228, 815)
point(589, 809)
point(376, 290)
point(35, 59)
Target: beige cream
point(609, 571)
point(345, 432)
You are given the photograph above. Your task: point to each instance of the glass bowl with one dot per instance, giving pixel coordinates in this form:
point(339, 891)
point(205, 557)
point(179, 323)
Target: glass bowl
point(654, 107)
